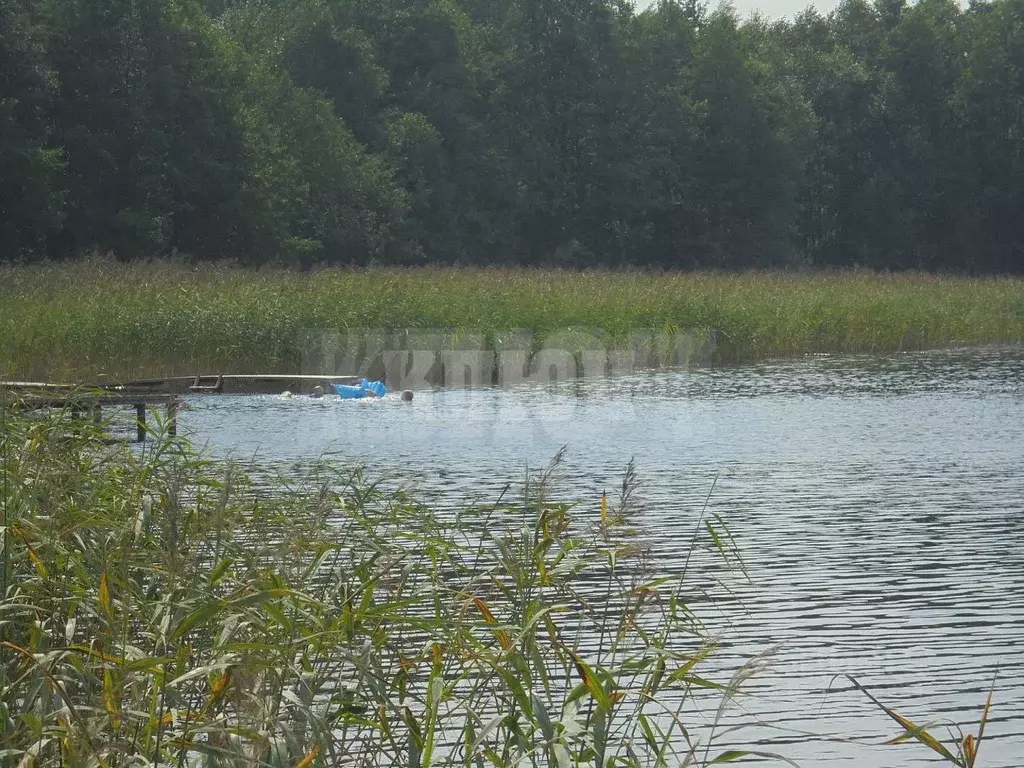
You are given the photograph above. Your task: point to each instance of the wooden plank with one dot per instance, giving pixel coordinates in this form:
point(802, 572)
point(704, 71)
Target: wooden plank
point(240, 383)
point(83, 401)
point(236, 383)
point(40, 385)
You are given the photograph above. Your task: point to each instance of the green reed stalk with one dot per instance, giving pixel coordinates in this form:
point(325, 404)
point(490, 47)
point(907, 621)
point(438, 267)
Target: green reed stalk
point(91, 318)
point(165, 609)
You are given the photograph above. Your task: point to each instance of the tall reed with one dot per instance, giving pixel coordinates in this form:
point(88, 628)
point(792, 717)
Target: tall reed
point(88, 318)
point(163, 609)
point(962, 753)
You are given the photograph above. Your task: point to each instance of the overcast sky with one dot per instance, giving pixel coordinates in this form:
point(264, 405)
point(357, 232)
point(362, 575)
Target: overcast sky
point(775, 9)
point(778, 9)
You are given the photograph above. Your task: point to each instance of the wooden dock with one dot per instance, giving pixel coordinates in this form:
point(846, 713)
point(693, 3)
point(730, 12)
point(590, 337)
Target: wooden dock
point(236, 384)
point(144, 394)
point(80, 401)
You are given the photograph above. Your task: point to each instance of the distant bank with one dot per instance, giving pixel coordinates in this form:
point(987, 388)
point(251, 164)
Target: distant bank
point(81, 320)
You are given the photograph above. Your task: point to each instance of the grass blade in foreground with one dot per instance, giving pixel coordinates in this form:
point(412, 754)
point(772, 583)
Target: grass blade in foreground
point(162, 608)
point(967, 746)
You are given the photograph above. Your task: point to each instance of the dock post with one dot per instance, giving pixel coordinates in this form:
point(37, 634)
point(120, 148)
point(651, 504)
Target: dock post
point(172, 417)
point(97, 414)
point(140, 417)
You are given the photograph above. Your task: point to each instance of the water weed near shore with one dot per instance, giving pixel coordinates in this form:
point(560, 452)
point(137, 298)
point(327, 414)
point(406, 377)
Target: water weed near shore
point(162, 609)
point(84, 320)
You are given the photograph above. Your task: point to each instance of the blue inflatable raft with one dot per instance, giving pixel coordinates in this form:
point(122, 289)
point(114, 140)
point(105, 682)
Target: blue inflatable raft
point(363, 389)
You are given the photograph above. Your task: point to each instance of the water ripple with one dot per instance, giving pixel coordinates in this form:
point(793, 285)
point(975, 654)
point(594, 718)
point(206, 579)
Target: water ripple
point(877, 503)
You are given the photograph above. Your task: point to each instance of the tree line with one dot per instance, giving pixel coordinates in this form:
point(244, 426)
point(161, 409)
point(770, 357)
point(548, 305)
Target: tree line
point(541, 132)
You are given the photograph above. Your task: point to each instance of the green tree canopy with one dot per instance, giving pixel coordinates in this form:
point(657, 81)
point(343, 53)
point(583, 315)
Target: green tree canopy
point(569, 132)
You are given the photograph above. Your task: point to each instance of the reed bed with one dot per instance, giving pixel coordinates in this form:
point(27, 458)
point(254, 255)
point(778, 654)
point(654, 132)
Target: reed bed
point(80, 320)
point(158, 608)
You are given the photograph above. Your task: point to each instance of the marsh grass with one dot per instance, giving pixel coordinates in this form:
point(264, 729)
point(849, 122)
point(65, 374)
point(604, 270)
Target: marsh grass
point(962, 748)
point(162, 609)
point(90, 318)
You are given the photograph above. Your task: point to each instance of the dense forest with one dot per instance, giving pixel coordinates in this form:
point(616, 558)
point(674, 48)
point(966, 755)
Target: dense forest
point(554, 132)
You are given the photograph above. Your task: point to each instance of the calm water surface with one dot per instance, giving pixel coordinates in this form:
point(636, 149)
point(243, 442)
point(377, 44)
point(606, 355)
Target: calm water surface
point(878, 504)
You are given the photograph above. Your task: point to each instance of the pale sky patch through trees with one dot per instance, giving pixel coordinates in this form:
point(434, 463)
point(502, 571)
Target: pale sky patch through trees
point(778, 9)
point(775, 9)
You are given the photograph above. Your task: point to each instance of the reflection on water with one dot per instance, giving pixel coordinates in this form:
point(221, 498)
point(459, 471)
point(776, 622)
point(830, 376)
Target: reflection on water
point(877, 503)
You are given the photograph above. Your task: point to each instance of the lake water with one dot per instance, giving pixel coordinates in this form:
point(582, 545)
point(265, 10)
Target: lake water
point(878, 503)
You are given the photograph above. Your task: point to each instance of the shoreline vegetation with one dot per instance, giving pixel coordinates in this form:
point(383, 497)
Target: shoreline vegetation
point(78, 321)
point(158, 607)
